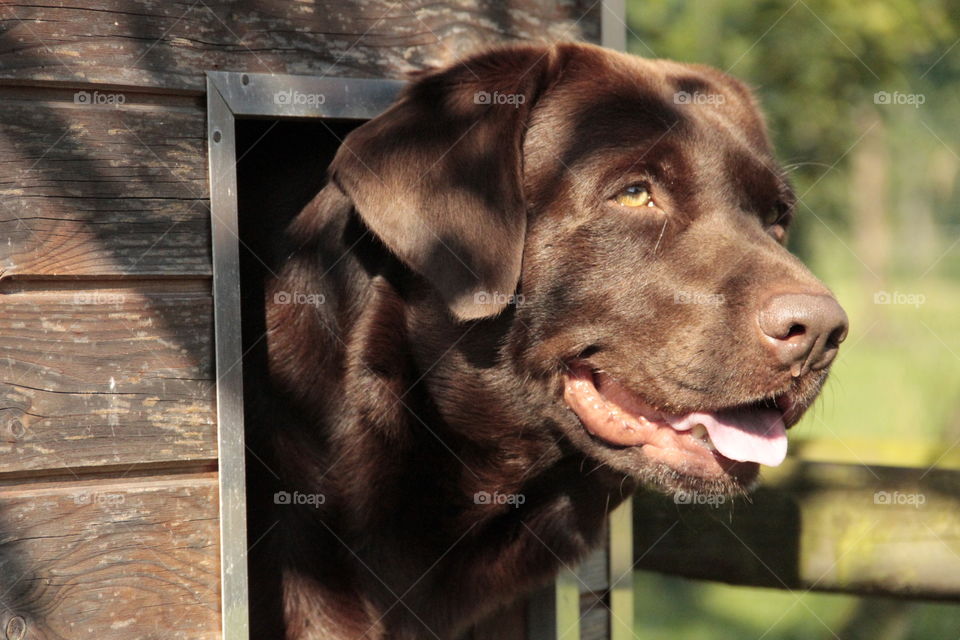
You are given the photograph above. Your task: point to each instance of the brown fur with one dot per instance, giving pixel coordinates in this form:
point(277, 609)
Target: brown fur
point(407, 391)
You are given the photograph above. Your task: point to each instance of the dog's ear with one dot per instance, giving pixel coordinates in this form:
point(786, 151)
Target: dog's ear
point(438, 176)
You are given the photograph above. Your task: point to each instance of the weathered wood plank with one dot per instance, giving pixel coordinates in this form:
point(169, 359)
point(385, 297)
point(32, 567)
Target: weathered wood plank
point(168, 44)
point(594, 621)
point(593, 573)
point(105, 377)
point(102, 192)
point(593, 582)
point(111, 560)
point(851, 528)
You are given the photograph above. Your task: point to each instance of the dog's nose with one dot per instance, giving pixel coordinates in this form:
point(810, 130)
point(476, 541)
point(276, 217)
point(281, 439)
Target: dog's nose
point(804, 330)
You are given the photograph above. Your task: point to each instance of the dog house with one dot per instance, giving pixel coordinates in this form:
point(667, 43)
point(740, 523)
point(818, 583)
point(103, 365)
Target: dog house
point(124, 131)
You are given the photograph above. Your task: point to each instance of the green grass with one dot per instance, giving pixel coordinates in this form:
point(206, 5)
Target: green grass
point(897, 377)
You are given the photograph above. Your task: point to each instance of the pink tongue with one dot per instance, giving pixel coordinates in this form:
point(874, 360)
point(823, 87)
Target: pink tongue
point(747, 435)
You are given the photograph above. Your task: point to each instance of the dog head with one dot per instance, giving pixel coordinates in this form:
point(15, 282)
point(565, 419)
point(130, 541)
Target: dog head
point(623, 221)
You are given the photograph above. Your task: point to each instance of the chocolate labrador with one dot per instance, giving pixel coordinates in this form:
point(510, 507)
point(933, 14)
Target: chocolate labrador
point(545, 275)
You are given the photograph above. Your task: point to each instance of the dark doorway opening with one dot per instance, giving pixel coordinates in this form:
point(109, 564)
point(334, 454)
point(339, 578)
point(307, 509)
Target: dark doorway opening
point(281, 166)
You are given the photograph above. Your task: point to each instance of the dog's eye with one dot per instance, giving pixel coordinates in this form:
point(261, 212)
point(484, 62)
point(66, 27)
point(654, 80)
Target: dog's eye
point(776, 222)
point(636, 195)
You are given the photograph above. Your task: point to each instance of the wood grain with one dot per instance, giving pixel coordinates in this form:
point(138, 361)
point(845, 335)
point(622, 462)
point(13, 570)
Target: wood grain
point(593, 571)
point(168, 44)
point(111, 560)
point(594, 621)
point(102, 192)
point(104, 377)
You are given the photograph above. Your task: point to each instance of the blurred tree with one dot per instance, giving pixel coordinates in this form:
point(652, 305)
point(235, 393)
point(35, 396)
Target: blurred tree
point(817, 65)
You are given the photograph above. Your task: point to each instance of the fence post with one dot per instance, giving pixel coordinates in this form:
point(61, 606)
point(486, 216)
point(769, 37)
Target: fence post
point(554, 611)
point(621, 572)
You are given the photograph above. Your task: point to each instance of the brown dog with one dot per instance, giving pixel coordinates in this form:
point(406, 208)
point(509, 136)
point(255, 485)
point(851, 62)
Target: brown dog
point(544, 275)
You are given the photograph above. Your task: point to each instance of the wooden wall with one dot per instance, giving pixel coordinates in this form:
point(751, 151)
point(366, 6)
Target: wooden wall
point(108, 481)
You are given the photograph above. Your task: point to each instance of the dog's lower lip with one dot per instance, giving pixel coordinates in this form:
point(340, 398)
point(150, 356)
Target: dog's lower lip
point(752, 432)
point(628, 423)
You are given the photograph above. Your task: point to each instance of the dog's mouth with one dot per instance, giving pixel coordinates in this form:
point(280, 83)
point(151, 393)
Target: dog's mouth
point(705, 444)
